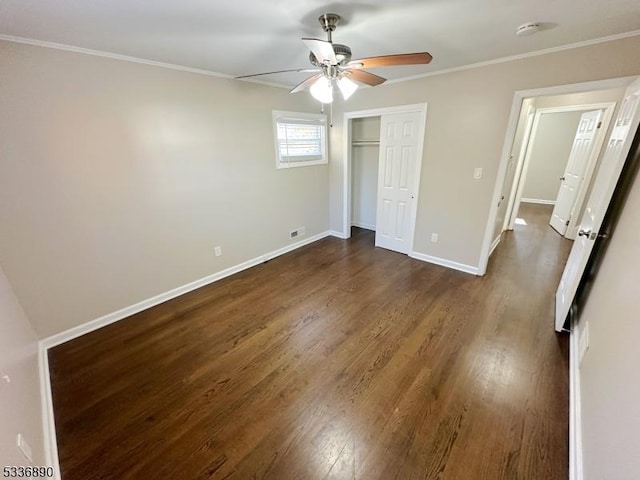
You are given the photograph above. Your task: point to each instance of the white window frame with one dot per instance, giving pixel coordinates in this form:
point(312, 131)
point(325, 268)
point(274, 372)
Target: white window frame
point(280, 116)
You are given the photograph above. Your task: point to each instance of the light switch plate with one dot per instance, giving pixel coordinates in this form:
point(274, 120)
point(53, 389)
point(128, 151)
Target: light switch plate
point(477, 173)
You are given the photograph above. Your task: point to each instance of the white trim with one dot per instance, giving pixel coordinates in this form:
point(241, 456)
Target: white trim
point(346, 158)
point(48, 419)
point(524, 169)
point(110, 318)
point(315, 119)
point(335, 233)
point(524, 147)
point(444, 262)
point(536, 53)
point(606, 84)
point(575, 416)
point(366, 226)
point(495, 244)
point(607, 114)
point(127, 58)
point(518, 97)
point(539, 201)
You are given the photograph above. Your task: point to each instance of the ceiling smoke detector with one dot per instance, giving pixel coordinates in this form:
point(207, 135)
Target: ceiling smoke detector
point(527, 29)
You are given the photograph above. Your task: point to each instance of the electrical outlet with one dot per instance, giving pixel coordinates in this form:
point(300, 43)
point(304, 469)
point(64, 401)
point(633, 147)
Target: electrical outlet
point(298, 232)
point(477, 173)
point(218, 251)
point(24, 447)
point(583, 340)
point(434, 238)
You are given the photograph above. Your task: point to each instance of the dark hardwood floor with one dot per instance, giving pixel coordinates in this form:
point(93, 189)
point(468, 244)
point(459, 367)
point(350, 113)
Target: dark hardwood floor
point(336, 361)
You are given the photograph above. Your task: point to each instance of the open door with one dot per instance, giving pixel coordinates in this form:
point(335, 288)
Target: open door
point(613, 160)
point(580, 159)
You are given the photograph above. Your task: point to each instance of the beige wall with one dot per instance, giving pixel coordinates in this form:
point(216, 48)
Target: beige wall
point(466, 123)
point(20, 398)
point(549, 153)
point(117, 180)
point(609, 376)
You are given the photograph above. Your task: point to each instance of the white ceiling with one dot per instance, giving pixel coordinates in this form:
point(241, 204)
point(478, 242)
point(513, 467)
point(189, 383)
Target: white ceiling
point(251, 36)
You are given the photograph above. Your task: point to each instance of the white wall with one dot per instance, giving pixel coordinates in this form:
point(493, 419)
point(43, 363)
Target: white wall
point(117, 180)
point(20, 410)
point(609, 372)
point(364, 173)
point(549, 153)
point(466, 123)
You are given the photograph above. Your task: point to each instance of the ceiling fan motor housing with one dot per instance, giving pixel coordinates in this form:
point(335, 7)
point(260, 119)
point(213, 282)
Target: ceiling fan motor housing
point(343, 55)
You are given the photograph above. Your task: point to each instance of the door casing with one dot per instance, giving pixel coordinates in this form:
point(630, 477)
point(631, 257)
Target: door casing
point(507, 146)
point(519, 181)
point(421, 108)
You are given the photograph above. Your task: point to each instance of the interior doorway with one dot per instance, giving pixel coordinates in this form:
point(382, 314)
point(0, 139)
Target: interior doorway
point(587, 93)
point(557, 158)
point(382, 163)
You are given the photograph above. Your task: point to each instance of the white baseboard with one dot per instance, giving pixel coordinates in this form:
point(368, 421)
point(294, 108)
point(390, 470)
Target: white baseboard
point(366, 226)
point(335, 233)
point(538, 201)
point(495, 244)
point(113, 317)
point(48, 419)
point(575, 416)
point(445, 263)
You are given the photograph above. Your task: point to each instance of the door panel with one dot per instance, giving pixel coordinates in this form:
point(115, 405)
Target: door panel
point(581, 152)
point(606, 178)
point(396, 179)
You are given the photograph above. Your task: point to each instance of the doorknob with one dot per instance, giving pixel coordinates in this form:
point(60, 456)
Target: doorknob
point(562, 179)
point(587, 233)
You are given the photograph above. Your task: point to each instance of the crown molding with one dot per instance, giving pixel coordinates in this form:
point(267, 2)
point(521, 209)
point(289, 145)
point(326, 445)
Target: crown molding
point(568, 46)
point(182, 68)
point(127, 58)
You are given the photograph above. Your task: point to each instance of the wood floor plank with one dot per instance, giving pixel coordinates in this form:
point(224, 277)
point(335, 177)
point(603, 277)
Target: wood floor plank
point(336, 361)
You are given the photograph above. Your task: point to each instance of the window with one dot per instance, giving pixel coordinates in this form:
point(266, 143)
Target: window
point(301, 139)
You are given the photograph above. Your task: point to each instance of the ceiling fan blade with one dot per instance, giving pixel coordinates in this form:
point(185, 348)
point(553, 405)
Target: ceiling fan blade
point(322, 49)
point(306, 83)
point(279, 71)
point(421, 58)
point(364, 77)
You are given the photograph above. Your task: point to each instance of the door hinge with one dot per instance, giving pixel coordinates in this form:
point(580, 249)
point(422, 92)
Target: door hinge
point(599, 124)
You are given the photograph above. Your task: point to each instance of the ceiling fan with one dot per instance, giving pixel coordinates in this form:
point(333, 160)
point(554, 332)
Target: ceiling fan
point(332, 64)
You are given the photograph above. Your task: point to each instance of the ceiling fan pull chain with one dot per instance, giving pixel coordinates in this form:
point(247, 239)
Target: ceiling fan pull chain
point(331, 115)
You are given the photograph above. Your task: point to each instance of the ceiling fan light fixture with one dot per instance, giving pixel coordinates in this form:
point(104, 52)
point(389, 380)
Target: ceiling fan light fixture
point(322, 90)
point(347, 87)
